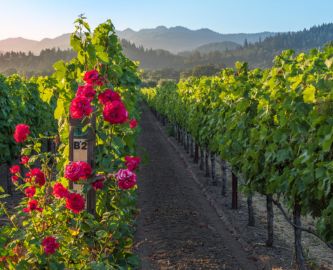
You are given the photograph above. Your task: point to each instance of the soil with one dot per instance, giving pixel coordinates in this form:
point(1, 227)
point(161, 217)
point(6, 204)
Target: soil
point(177, 227)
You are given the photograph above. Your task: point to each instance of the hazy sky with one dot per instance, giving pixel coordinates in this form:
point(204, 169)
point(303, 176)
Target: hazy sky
point(37, 19)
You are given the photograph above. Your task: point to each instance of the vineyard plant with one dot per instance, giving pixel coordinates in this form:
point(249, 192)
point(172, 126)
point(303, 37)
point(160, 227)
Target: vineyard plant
point(273, 126)
point(50, 228)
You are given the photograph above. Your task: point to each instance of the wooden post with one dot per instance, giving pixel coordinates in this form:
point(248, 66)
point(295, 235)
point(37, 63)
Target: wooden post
point(82, 148)
point(206, 162)
point(224, 177)
point(212, 161)
point(300, 260)
point(234, 202)
point(201, 165)
point(196, 153)
point(251, 220)
point(178, 133)
point(270, 220)
point(182, 137)
point(187, 142)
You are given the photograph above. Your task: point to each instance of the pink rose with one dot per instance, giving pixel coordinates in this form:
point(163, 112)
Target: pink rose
point(126, 179)
point(77, 170)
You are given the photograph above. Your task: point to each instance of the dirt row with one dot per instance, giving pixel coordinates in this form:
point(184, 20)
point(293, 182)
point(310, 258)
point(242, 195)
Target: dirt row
point(177, 228)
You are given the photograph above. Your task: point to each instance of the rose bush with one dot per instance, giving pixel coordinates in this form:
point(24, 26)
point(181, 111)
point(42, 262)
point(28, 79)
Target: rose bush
point(52, 229)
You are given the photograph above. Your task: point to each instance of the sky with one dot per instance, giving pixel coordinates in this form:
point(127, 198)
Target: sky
point(37, 19)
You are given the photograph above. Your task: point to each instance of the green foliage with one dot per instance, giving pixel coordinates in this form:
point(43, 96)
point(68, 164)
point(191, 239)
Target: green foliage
point(273, 126)
point(21, 102)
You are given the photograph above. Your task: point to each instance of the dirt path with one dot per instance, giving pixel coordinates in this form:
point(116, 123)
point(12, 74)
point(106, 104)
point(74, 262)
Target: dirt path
point(177, 228)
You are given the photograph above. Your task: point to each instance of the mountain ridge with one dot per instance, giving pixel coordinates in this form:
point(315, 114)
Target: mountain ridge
point(174, 39)
point(178, 38)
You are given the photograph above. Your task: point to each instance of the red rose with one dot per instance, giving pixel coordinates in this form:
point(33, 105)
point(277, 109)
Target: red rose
point(59, 191)
point(80, 107)
point(75, 202)
point(108, 96)
point(35, 176)
point(99, 183)
point(86, 91)
point(126, 179)
point(32, 206)
point(24, 160)
point(133, 123)
point(115, 112)
point(75, 171)
point(85, 169)
point(15, 178)
point(91, 76)
point(15, 169)
point(21, 132)
point(50, 245)
point(132, 162)
point(30, 191)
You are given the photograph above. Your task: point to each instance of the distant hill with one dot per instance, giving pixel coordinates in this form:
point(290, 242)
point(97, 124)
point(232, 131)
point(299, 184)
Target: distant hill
point(25, 45)
point(17, 44)
point(218, 47)
point(178, 39)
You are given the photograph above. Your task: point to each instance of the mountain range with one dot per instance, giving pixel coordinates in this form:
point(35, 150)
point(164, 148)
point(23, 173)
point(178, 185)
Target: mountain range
point(178, 39)
point(25, 45)
point(174, 39)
